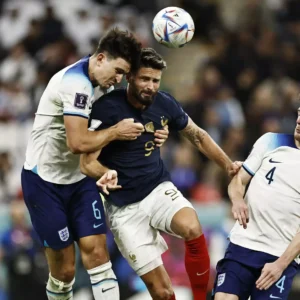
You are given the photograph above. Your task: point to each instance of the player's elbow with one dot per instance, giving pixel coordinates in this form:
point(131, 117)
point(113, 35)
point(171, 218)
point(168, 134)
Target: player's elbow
point(75, 150)
point(84, 170)
point(75, 147)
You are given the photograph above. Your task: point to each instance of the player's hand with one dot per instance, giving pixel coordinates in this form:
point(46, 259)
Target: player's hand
point(127, 129)
point(234, 168)
point(109, 182)
point(161, 136)
point(240, 212)
point(269, 275)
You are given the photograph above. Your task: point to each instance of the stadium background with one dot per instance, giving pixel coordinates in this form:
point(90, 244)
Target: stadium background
point(238, 78)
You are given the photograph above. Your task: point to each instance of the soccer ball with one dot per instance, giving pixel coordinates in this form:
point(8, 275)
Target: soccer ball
point(173, 27)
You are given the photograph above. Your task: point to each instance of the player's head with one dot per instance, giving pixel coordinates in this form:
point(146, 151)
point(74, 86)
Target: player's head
point(144, 78)
point(297, 129)
point(115, 54)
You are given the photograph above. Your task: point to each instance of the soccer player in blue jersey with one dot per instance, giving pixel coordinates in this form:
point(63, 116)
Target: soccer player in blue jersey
point(263, 255)
point(65, 205)
point(146, 201)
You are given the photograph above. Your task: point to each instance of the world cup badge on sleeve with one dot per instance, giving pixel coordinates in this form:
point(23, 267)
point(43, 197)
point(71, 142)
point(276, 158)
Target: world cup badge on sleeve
point(221, 279)
point(80, 100)
point(64, 234)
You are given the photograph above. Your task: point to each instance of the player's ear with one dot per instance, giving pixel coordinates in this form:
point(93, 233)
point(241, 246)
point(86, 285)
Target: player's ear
point(100, 58)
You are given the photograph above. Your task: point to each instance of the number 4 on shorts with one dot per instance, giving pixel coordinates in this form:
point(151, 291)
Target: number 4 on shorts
point(280, 283)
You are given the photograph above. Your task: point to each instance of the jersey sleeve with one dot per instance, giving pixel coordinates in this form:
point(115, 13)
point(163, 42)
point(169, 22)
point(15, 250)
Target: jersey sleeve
point(179, 118)
point(75, 92)
point(260, 148)
point(103, 115)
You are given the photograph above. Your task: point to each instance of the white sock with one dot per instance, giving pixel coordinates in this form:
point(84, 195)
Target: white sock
point(58, 290)
point(104, 283)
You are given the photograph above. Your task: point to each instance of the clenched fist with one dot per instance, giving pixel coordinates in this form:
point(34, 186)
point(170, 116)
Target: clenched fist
point(127, 129)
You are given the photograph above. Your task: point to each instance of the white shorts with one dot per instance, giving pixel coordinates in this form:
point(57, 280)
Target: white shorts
point(136, 226)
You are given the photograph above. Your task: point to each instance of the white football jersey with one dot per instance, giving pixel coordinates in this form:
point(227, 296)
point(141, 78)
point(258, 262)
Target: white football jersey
point(69, 92)
point(273, 195)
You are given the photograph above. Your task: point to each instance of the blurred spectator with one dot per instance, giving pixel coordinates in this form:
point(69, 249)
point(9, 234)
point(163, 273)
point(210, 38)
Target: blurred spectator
point(34, 40)
point(5, 167)
point(23, 258)
point(18, 67)
point(13, 27)
point(52, 27)
point(229, 109)
point(82, 28)
point(14, 103)
point(185, 166)
point(38, 87)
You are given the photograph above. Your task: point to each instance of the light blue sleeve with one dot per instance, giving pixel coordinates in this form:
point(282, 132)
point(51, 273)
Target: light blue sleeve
point(264, 144)
point(75, 91)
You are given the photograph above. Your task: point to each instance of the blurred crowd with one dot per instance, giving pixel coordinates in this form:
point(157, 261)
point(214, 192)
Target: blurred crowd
point(246, 83)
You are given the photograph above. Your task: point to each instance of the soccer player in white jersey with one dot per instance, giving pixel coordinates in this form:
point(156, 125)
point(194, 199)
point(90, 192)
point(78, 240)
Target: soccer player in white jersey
point(65, 205)
point(262, 257)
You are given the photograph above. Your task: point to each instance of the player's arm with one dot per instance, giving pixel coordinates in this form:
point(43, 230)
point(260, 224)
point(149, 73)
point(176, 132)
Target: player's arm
point(90, 166)
point(236, 192)
point(81, 140)
point(203, 141)
point(76, 114)
point(273, 271)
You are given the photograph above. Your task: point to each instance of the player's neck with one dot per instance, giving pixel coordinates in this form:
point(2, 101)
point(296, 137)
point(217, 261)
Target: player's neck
point(297, 143)
point(91, 72)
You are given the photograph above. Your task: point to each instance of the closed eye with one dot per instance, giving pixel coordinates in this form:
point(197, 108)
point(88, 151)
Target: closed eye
point(120, 71)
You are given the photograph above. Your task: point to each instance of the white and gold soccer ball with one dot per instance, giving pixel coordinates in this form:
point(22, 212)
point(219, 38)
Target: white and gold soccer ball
point(173, 27)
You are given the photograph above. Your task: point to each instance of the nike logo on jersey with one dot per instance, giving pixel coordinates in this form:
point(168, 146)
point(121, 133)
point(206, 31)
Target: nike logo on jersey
point(274, 161)
point(98, 225)
point(274, 297)
point(105, 290)
point(199, 274)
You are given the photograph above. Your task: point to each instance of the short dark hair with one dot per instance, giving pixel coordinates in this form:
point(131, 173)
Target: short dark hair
point(117, 43)
point(149, 58)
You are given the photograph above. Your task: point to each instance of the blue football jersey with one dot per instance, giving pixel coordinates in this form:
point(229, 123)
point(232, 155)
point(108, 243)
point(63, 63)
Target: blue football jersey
point(138, 163)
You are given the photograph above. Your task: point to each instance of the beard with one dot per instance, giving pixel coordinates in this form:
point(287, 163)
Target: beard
point(143, 97)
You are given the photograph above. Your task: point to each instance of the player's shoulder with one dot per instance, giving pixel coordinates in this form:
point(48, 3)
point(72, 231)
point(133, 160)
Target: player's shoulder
point(114, 98)
point(165, 96)
point(273, 140)
point(79, 68)
point(75, 77)
point(165, 100)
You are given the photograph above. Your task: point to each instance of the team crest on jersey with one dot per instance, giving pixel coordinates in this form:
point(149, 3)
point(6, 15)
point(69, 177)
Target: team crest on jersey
point(149, 127)
point(64, 234)
point(221, 279)
point(80, 100)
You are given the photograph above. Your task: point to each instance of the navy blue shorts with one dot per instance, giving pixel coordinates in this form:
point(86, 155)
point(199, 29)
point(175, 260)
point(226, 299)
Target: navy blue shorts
point(62, 214)
point(238, 271)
